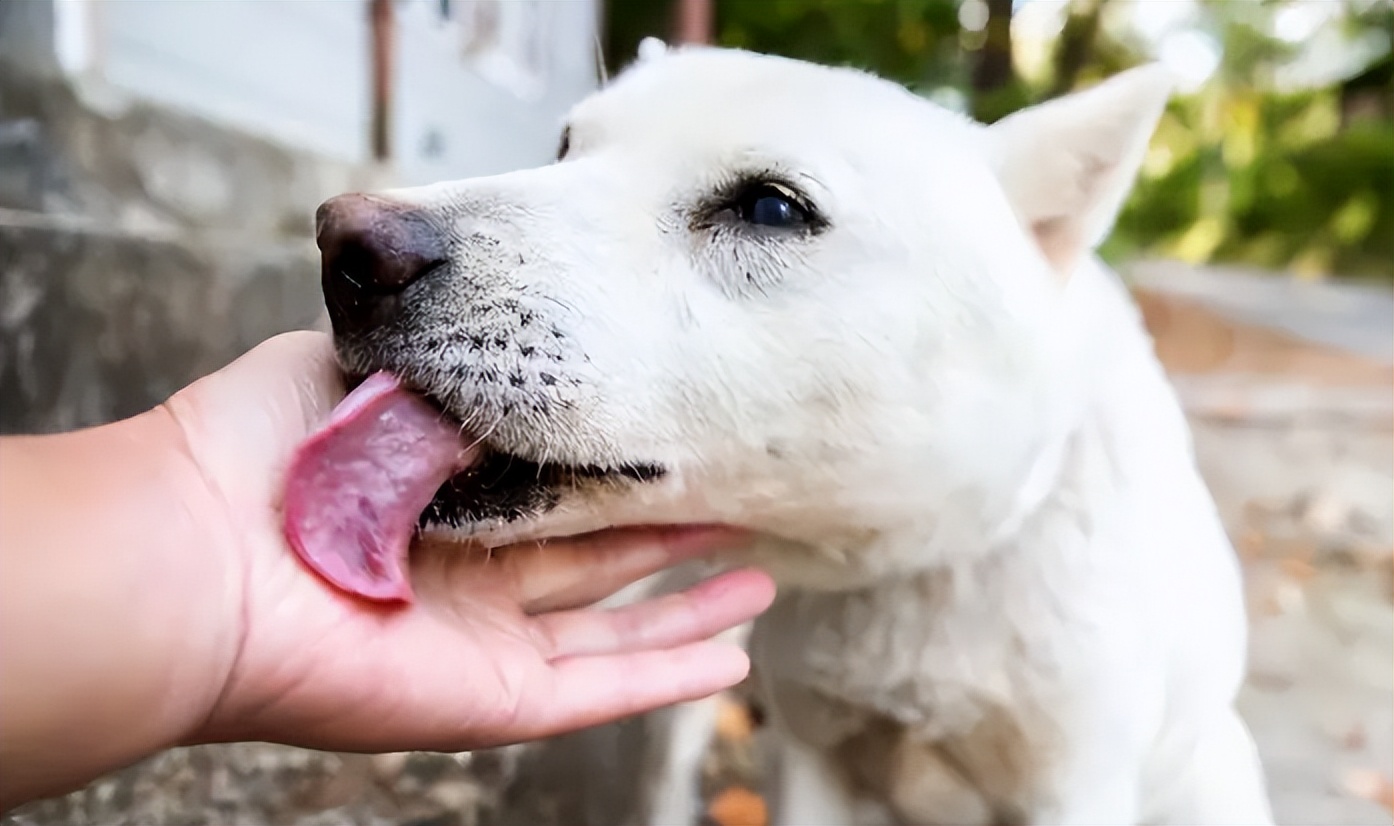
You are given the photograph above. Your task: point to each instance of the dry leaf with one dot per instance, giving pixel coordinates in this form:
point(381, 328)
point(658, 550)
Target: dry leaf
point(733, 722)
point(1369, 784)
point(1298, 569)
point(1250, 544)
point(1289, 597)
point(1355, 739)
point(1268, 606)
point(387, 767)
point(737, 806)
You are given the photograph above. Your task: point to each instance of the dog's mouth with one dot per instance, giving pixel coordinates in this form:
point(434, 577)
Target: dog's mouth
point(502, 487)
point(388, 463)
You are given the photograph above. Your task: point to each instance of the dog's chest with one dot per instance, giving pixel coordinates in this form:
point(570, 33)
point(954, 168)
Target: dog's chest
point(930, 692)
point(931, 651)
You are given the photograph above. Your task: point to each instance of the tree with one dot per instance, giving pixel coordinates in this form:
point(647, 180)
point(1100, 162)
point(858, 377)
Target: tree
point(1076, 45)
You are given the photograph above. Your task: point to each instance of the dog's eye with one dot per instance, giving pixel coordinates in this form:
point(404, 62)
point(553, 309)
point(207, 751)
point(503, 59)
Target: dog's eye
point(771, 205)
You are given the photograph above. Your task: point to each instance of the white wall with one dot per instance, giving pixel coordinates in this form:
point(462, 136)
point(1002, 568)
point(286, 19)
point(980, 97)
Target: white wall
point(454, 118)
point(294, 70)
point(299, 71)
point(26, 30)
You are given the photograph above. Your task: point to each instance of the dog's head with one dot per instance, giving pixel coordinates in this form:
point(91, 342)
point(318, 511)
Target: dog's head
point(753, 290)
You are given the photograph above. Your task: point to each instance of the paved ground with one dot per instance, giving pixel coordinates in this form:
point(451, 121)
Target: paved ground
point(1298, 447)
point(1313, 524)
point(1293, 432)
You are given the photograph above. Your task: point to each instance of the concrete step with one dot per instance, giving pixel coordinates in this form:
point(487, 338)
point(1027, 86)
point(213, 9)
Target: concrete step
point(98, 323)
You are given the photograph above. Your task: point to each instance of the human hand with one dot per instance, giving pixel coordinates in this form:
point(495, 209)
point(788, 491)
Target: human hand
point(498, 647)
point(148, 598)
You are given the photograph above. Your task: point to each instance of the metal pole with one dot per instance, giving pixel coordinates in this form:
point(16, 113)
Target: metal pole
point(380, 13)
point(695, 21)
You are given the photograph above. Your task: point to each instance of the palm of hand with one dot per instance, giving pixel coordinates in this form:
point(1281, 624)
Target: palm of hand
point(496, 648)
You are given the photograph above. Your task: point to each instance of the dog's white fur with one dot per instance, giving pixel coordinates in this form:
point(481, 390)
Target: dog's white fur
point(1005, 592)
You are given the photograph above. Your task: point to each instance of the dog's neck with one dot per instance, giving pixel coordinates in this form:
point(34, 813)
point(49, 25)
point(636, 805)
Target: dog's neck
point(1106, 456)
point(1131, 443)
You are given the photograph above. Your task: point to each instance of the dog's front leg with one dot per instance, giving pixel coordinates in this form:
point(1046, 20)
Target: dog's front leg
point(1094, 776)
point(1106, 799)
point(808, 790)
point(674, 790)
point(675, 750)
point(1223, 784)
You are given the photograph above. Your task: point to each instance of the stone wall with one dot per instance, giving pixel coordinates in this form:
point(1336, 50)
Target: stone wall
point(140, 248)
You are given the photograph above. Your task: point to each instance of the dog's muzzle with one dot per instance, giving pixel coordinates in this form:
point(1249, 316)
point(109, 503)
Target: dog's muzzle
point(372, 249)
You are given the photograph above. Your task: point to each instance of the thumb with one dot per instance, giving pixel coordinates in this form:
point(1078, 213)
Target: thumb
point(259, 408)
point(294, 375)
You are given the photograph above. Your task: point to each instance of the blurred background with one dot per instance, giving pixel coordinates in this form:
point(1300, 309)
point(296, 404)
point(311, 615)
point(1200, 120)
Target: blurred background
point(161, 160)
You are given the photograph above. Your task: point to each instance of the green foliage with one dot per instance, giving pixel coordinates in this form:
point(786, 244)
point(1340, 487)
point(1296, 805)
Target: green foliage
point(1238, 171)
point(1272, 182)
point(915, 42)
point(1300, 181)
point(629, 21)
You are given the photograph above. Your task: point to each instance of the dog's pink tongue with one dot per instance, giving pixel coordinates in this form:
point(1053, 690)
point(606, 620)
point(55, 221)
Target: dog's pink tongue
point(357, 488)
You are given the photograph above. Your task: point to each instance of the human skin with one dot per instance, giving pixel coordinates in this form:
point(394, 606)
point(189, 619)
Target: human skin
point(148, 599)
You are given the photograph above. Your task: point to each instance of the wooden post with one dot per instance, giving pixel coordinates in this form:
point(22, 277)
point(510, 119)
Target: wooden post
point(384, 36)
point(993, 69)
point(694, 21)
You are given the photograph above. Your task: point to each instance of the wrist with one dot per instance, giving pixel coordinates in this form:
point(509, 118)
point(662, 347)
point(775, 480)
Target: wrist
point(119, 607)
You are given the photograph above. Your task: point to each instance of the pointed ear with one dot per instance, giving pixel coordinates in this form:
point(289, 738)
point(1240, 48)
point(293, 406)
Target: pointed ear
point(1067, 164)
point(651, 48)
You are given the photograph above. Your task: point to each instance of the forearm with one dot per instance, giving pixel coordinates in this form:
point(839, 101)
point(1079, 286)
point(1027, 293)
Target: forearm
point(100, 640)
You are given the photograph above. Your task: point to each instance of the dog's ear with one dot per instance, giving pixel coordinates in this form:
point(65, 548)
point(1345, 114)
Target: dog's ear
point(651, 48)
point(1067, 164)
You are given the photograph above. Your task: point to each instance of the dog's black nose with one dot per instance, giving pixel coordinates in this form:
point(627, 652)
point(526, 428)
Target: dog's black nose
point(371, 249)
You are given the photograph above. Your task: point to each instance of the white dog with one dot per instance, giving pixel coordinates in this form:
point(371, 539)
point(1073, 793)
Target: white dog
point(804, 301)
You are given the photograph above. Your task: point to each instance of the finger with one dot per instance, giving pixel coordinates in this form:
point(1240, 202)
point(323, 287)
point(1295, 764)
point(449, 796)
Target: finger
point(700, 612)
point(561, 574)
point(589, 691)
